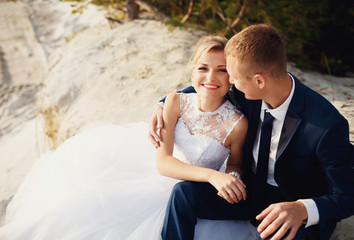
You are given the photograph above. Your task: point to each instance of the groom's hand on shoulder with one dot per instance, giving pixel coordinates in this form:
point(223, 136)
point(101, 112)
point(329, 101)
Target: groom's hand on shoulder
point(156, 123)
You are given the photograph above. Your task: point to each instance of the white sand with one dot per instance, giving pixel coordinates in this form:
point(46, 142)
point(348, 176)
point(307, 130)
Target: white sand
point(62, 73)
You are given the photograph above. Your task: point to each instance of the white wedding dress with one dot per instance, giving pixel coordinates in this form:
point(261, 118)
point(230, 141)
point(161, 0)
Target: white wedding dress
point(103, 183)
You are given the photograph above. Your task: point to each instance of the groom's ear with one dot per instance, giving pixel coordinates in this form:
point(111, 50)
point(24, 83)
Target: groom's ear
point(259, 80)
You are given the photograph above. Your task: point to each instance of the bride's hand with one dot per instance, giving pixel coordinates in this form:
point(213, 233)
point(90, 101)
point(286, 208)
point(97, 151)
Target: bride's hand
point(156, 123)
point(229, 187)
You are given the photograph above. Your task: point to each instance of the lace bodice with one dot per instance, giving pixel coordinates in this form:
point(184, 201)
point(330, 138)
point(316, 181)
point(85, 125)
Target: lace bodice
point(200, 136)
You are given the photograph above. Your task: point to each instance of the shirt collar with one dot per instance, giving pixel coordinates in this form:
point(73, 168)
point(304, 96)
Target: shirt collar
point(279, 113)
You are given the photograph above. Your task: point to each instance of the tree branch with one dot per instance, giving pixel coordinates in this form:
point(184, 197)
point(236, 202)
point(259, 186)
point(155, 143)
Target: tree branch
point(151, 10)
point(132, 9)
point(220, 13)
point(240, 16)
point(190, 8)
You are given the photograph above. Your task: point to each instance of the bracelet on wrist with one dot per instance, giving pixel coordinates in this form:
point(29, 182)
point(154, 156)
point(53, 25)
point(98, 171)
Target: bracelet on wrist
point(235, 174)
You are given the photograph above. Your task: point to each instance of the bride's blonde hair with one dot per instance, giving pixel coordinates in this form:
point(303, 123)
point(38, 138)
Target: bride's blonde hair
point(204, 45)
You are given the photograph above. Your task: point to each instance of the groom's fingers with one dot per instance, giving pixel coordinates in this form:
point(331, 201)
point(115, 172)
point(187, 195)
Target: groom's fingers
point(155, 143)
point(284, 215)
point(156, 123)
point(159, 118)
point(153, 136)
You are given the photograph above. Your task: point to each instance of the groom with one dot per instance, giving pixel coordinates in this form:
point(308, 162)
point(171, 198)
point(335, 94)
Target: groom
point(299, 163)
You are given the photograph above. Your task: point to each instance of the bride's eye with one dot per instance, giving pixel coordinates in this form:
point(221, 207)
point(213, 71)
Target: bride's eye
point(223, 70)
point(202, 68)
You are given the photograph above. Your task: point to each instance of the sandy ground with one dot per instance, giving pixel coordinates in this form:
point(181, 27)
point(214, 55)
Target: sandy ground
point(62, 73)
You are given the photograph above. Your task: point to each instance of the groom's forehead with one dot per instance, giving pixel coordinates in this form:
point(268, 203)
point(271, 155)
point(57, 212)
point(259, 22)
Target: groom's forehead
point(232, 63)
point(231, 60)
point(238, 65)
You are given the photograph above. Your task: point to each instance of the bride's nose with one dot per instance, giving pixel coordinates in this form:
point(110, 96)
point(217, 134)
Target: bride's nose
point(212, 75)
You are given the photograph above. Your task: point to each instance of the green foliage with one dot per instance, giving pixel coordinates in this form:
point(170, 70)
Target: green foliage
point(312, 30)
point(173, 22)
point(107, 3)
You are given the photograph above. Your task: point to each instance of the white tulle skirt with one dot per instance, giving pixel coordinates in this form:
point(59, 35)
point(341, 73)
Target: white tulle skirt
point(101, 184)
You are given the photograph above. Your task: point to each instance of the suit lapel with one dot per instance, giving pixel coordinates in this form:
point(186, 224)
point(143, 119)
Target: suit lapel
point(290, 125)
point(292, 119)
point(291, 122)
point(253, 120)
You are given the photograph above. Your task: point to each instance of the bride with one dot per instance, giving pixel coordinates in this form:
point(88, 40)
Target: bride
point(106, 184)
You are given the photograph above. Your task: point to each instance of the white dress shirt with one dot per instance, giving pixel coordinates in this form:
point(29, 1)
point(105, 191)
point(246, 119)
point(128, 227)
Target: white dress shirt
point(279, 114)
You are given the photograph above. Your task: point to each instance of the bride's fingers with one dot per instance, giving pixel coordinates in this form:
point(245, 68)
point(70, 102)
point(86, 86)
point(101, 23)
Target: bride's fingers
point(232, 195)
point(226, 196)
point(241, 190)
point(235, 194)
point(236, 190)
point(238, 181)
point(242, 183)
point(222, 196)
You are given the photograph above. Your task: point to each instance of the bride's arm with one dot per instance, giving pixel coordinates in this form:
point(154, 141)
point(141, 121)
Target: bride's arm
point(170, 166)
point(156, 121)
point(166, 164)
point(236, 141)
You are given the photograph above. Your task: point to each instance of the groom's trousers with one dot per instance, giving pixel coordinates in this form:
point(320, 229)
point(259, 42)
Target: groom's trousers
point(192, 200)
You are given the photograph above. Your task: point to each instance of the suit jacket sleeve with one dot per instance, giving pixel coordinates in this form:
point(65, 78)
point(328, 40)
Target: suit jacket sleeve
point(336, 158)
point(189, 89)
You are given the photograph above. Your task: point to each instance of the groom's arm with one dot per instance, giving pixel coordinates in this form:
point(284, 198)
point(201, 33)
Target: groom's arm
point(156, 121)
point(335, 155)
point(189, 89)
point(235, 96)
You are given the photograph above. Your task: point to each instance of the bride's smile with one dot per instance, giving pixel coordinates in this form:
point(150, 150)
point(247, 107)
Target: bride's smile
point(210, 86)
point(211, 80)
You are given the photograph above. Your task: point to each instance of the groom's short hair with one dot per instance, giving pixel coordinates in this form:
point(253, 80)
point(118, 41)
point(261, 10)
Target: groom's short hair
point(261, 46)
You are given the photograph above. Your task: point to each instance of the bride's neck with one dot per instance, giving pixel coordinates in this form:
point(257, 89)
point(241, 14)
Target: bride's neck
point(209, 105)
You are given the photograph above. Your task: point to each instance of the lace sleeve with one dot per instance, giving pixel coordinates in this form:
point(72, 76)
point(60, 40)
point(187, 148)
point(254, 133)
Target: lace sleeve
point(216, 125)
point(232, 128)
point(184, 103)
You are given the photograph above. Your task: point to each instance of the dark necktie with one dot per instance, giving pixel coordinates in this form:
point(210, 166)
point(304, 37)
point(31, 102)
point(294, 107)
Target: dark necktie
point(260, 182)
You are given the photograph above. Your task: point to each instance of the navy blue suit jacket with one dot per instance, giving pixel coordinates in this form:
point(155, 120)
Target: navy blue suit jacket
point(315, 158)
